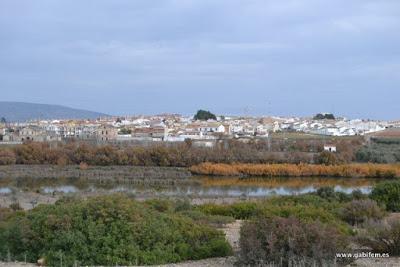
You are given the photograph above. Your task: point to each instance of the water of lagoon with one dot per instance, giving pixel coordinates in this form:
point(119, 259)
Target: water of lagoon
point(193, 187)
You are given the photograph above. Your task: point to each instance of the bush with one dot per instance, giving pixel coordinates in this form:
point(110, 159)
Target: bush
point(388, 194)
point(327, 158)
point(212, 220)
point(326, 192)
point(107, 230)
point(383, 237)
point(307, 208)
point(357, 194)
point(329, 193)
point(288, 240)
point(7, 157)
point(15, 206)
point(239, 210)
point(360, 211)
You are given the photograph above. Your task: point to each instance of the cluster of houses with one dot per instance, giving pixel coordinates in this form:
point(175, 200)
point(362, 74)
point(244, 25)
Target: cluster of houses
point(177, 128)
point(340, 127)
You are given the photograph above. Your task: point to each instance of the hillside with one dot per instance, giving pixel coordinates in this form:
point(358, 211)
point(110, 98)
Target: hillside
point(19, 111)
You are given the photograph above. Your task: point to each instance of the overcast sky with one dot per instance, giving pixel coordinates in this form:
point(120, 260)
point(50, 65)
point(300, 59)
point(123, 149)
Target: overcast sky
point(281, 57)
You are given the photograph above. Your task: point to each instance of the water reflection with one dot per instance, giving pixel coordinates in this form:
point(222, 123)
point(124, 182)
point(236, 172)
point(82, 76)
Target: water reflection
point(197, 186)
point(5, 190)
point(60, 189)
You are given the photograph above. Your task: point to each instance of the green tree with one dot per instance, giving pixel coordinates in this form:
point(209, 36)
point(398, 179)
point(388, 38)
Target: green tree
point(124, 131)
point(204, 115)
point(388, 194)
point(325, 116)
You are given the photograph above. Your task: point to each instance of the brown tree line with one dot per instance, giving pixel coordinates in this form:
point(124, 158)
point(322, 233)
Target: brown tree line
point(180, 155)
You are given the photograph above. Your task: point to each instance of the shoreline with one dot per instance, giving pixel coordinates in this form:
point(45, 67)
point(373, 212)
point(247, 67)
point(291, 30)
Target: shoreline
point(119, 173)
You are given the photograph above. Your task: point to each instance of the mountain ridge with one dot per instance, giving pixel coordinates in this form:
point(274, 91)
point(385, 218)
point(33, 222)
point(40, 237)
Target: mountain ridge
point(14, 111)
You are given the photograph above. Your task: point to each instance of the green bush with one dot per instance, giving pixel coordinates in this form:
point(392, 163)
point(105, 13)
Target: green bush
point(239, 210)
point(107, 230)
point(307, 208)
point(328, 158)
point(285, 241)
point(159, 205)
point(213, 220)
point(360, 211)
point(357, 195)
point(388, 194)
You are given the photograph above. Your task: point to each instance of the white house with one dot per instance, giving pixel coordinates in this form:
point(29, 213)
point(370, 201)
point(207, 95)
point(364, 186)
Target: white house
point(330, 148)
point(212, 127)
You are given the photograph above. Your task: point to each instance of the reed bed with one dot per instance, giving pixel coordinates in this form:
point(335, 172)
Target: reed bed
point(299, 170)
point(291, 182)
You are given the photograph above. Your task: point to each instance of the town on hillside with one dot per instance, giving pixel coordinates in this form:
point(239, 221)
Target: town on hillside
point(204, 129)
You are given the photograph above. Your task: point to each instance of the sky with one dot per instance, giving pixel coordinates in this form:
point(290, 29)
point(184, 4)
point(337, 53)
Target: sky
point(243, 57)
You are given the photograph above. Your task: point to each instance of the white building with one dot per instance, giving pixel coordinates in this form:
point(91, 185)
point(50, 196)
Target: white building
point(330, 148)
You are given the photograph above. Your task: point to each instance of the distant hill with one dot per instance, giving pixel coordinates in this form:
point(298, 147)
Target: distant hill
point(20, 111)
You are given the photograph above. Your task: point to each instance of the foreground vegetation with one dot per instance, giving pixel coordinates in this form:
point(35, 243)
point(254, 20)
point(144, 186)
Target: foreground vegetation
point(307, 230)
point(107, 230)
point(298, 170)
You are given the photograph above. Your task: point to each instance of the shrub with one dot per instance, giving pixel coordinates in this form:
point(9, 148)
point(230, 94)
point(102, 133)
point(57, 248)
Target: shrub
point(327, 158)
point(360, 211)
point(357, 194)
point(239, 210)
point(159, 205)
point(182, 205)
point(383, 237)
point(107, 230)
point(307, 208)
point(388, 194)
point(286, 240)
point(326, 192)
point(7, 157)
point(329, 193)
point(15, 206)
point(213, 220)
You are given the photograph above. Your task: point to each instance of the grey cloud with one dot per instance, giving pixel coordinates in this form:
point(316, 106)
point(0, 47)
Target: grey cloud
point(143, 56)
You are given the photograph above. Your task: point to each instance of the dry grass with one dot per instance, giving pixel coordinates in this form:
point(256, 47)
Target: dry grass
point(292, 182)
point(300, 170)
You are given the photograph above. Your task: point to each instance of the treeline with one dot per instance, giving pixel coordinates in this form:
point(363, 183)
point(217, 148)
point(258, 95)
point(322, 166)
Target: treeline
point(380, 150)
point(183, 154)
point(298, 170)
point(179, 155)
